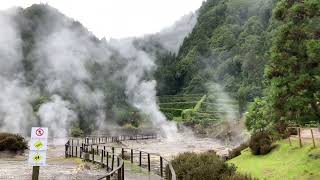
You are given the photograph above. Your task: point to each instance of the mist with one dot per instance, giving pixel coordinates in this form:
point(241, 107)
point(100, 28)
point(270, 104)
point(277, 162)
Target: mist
point(57, 83)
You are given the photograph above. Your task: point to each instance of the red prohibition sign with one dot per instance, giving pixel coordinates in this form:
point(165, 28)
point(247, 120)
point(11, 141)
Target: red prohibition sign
point(39, 132)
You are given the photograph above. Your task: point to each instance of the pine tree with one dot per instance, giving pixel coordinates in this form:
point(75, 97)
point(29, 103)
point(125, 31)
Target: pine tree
point(293, 73)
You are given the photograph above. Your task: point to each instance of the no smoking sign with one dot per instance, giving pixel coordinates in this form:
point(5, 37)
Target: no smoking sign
point(39, 133)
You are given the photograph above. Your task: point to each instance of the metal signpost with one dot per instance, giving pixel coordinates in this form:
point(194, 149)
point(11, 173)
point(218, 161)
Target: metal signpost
point(38, 149)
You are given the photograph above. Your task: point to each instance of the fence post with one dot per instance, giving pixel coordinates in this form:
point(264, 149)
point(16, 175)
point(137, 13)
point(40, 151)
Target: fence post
point(72, 151)
point(81, 149)
point(76, 151)
point(122, 171)
point(92, 151)
point(102, 164)
point(122, 153)
point(299, 132)
point(149, 162)
point(161, 167)
point(107, 160)
point(119, 170)
point(66, 150)
point(314, 144)
point(139, 158)
point(112, 158)
point(131, 156)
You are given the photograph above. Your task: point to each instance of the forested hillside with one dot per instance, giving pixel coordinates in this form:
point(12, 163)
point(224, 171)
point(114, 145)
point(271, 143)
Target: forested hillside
point(229, 46)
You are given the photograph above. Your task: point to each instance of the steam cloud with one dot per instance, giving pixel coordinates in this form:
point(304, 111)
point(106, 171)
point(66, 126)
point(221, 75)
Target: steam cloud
point(60, 72)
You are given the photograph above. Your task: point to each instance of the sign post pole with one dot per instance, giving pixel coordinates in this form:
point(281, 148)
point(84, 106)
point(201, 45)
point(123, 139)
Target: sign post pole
point(35, 172)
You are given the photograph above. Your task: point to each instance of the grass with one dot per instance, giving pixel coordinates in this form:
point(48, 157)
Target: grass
point(283, 162)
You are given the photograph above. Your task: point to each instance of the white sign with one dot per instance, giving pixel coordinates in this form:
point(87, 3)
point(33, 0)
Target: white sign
point(38, 146)
point(39, 133)
point(37, 158)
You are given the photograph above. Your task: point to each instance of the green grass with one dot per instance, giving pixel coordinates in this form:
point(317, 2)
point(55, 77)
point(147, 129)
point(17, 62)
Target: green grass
point(284, 162)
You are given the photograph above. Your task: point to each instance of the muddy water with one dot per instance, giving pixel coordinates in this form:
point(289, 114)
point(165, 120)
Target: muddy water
point(181, 143)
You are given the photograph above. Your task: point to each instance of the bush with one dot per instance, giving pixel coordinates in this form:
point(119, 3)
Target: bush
point(204, 166)
point(12, 142)
point(77, 132)
point(260, 143)
point(237, 151)
point(187, 113)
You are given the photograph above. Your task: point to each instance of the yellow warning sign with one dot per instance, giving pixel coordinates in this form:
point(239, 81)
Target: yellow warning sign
point(38, 145)
point(37, 158)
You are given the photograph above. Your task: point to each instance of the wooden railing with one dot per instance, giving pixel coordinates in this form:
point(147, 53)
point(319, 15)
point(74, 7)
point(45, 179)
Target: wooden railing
point(151, 161)
point(104, 158)
point(94, 149)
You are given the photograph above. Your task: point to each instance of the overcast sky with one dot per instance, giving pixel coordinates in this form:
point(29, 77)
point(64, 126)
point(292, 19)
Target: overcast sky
point(118, 18)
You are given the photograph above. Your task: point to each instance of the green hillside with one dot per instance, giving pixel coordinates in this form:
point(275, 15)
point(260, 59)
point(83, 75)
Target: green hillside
point(284, 162)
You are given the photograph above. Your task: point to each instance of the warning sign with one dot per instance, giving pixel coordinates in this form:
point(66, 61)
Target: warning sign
point(37, 158)
point(38, 146)
point(39, 133)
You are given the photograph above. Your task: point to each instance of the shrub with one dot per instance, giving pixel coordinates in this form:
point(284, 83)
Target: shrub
point(169, 116)
point(187, 113)
point(260, 143)
point(76, 132)
point(192, 166)
point(237, 151)
point(12, 142)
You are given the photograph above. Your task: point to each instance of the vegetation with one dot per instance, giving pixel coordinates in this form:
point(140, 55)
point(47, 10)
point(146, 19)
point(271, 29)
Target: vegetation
point(260, 143)
point(293, 72)
point(227, 46)
point(12, 142)
point(283, 162)
point(76, 132)
point(192, 166)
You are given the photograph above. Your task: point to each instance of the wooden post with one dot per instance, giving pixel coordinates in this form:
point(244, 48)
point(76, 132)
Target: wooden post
point(104, 150)
point(139, 158)
point(289, 141)
point(72, 151)
point(122, 171)
point(122, 153)
point(66, 150)
point(299, 132)
point(92, 151)
point(76, 151)
point(35, 172)
point(149, 162)
point(102, 164)
point(131, 156)
point(161, 167)
point(289, 136)
point(314, 144)
point(119, 170)
point(107, 160)
point(81, 149)
point(97, 150)
point(112, 161)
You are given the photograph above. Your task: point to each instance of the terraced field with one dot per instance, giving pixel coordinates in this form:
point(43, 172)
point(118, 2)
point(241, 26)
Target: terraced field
point(213, 106)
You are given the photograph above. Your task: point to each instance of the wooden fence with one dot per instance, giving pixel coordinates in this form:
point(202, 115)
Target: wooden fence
point(105, 158)
point(300, 137)
point(94, 149)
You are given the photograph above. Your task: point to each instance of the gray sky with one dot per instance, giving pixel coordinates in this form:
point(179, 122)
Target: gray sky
point(118, 18)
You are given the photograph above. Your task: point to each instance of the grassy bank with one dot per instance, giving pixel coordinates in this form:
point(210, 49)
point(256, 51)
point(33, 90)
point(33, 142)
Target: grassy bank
point(284, 162)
